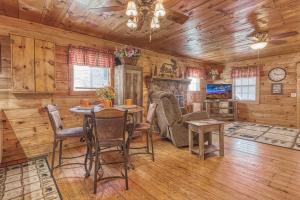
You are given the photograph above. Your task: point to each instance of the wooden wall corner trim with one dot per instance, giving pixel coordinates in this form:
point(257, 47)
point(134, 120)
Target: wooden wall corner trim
point(298, 94)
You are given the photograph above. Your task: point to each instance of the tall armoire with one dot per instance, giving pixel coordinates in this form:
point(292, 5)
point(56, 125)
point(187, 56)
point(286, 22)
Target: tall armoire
point(128, 84)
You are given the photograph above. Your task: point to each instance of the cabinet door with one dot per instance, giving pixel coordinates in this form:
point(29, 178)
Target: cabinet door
point(44, 66)
point(23, 64)
point(134, 85)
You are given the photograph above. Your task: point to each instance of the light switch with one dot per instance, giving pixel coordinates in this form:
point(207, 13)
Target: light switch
point(293, 94)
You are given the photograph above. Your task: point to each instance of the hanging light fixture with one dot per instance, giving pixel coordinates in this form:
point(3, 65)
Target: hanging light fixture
point(131, 9)
point(159, 10)
point(155, 23)
point(132, 24)
point(139, 9)
point(258, 45)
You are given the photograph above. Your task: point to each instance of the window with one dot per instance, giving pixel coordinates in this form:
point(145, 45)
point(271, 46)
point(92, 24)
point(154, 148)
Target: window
point(194, 86)
point(245, 88)
point(87, 78)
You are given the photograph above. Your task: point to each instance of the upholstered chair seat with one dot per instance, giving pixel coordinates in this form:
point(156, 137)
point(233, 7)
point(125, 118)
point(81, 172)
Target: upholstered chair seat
point(70, 132)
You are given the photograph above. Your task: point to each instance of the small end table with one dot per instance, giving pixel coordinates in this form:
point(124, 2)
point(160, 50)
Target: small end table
point(202, 127)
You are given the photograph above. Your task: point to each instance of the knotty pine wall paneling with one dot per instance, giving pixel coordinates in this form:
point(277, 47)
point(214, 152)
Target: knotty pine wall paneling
point(26, 129)
point(271, 109)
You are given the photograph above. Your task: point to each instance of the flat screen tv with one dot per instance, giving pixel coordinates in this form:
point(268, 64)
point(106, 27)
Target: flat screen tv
point(218, 91)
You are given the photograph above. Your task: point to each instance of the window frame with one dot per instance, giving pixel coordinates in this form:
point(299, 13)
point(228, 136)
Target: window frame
point(191, 82)
point(257, 92)
point(84, 93)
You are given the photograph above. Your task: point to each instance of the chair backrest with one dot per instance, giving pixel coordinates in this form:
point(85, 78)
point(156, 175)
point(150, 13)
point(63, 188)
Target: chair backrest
point(54, 117)
point(151, 112)
point(170, 108)
point(109, 124)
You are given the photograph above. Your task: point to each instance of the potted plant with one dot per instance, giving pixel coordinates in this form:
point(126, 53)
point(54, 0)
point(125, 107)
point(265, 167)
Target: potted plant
point(128, 55)
point(106, 95)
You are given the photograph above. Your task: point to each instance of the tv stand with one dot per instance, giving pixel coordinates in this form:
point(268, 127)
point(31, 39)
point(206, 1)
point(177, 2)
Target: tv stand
point(221, 109)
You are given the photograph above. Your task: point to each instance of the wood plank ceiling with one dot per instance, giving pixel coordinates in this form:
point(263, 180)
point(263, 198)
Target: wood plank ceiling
point(217, 30)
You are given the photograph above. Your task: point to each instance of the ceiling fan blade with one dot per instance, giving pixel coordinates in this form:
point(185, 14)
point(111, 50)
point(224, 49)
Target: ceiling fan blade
point(121, 2)
point(277, 42)
point(176, 17)
point(258, 24)
point(108, 9)
point(284, 35)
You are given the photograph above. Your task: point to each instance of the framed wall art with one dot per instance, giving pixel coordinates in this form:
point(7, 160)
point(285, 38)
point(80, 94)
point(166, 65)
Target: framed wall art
point(276, 88)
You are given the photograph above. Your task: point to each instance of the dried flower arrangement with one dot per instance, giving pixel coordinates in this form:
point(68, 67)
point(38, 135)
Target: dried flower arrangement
point(128, 52)
point(106, 93)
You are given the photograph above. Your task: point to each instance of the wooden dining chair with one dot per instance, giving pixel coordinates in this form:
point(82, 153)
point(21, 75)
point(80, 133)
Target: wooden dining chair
point(60, 134)
point(146, 127)
point(109, 127)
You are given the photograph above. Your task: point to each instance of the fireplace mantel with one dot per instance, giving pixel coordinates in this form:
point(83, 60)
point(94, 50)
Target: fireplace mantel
point(156, 78)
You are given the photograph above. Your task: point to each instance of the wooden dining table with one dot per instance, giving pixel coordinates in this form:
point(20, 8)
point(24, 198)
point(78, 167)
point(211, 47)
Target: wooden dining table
point(88, 130)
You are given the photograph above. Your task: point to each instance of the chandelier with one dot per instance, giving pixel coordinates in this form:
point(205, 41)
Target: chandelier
point(138, 9)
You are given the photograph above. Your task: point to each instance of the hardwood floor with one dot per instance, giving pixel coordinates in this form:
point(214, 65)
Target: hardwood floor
point(249, 170)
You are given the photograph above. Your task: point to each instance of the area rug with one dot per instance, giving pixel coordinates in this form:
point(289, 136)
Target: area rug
point(29, 180)
point(274, 135)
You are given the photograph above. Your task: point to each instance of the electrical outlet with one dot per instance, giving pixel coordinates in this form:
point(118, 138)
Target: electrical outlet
point(293, 94)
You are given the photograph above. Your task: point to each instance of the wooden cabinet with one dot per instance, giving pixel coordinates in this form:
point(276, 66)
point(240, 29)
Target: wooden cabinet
point(23, 64)
point(129, 84)
point(44, 66)
point(33, 65)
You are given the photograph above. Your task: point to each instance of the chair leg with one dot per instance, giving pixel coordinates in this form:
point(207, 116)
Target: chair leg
point(126, 168)
point(151, 141)
point(96, 168)
point(60, 151)
point(53, 156)
point(147, 140)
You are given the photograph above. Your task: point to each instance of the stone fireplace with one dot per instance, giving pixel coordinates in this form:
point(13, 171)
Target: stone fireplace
point(178, 87)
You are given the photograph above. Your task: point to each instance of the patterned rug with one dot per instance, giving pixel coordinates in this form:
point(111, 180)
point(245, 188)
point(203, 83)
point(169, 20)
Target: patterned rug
point(29, 180)
point(274, 135)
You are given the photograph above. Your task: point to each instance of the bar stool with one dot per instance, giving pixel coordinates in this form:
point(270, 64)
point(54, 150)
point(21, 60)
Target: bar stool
point(60, 134)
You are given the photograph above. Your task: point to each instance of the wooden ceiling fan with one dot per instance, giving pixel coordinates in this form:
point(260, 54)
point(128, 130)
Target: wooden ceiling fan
point(261, 31)
point(276, 39)
point(144, 5)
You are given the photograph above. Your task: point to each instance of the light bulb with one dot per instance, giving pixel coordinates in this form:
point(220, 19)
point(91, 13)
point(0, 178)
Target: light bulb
point(159, 10)
point(258, 45)
point(131, 24)
point(131, 9)
point(155, 23)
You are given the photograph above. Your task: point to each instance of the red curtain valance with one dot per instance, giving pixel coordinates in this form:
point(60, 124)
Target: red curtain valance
point(90, 57)
point(242, 72)
point(195, 72)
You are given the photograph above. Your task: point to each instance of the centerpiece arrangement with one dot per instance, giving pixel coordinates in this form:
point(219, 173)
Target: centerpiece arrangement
point(127, 56)
point(105, 96)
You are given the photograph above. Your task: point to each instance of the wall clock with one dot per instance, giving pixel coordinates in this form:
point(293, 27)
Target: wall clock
point(277, 74)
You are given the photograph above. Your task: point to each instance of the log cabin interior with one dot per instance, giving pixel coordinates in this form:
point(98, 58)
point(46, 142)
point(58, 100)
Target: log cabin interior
point(150, 99)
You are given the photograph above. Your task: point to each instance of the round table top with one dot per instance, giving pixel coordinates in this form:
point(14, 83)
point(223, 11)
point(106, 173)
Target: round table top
point(88, 111)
